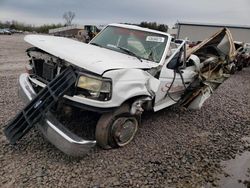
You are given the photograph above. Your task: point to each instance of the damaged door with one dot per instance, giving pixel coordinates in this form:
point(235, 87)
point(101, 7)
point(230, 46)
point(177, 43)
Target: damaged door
point(174, 78)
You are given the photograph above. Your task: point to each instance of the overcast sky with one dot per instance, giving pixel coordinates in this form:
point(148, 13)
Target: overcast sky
point(133, 11)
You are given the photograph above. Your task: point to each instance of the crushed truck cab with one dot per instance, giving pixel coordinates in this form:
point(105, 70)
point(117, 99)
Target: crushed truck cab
point(124, 71)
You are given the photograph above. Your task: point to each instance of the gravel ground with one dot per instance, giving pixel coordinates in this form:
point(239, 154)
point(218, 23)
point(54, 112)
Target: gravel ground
point(173, 148)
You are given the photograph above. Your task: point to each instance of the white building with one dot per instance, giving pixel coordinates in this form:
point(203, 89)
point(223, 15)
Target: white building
point(200, 31)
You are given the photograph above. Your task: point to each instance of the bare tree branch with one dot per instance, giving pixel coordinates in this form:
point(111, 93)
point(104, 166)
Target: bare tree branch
point(69, 16)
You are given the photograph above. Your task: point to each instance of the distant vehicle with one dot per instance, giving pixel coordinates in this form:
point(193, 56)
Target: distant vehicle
point(239, 46)
point(242, 55)
point(5, 32)
point(92, 31)
point(19, 31)
point(82, 33)
point(13, 31)
point(247, 55)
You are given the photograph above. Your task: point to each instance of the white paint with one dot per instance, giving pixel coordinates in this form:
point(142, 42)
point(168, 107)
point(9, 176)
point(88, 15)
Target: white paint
point(128, 74)
point(86, 56)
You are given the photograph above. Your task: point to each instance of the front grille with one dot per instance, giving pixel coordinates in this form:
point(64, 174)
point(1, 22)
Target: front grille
point(44, 70)
point(38, 67)
point(49, 71)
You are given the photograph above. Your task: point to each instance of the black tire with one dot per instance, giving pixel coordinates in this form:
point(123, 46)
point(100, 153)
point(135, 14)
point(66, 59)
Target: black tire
point(111, 125)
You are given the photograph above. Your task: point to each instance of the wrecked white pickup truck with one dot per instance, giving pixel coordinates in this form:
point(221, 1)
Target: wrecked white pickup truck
point(123, 71)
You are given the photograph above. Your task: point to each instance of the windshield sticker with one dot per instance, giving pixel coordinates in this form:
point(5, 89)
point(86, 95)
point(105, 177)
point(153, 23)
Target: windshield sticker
point(155, 39)
point(111, 45)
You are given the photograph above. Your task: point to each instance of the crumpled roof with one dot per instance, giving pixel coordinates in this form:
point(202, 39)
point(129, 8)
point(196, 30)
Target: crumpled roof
point(222, 39)
point(216, 52)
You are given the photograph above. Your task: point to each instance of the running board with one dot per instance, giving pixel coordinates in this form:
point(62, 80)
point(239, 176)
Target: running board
point(38, 106)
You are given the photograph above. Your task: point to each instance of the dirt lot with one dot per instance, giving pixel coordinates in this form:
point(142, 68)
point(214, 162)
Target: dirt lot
point(174, 147)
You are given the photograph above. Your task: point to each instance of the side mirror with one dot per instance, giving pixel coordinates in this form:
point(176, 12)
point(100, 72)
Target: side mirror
point(175, 62)
point(179, 58)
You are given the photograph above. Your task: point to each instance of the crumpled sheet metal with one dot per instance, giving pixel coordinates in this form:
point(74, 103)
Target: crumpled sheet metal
point(213, 72)
point(215, 38)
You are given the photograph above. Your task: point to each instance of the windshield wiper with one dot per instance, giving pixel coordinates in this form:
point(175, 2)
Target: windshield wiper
point(129, 52)
point(95, 44)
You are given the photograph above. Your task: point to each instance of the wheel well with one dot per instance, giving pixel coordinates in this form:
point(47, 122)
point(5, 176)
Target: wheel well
point(146, 106)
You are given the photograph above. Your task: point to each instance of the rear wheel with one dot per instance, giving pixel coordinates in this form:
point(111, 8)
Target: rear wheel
point(116, 129)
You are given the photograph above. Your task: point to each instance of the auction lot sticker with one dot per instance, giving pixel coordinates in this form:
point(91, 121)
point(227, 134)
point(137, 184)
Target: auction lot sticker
point(155, 39)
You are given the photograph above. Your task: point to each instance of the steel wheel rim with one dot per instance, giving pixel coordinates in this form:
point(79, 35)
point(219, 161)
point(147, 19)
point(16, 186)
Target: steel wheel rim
point(124, 130)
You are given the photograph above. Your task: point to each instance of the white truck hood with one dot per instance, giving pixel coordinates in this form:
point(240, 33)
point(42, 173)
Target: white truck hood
point(92, 58)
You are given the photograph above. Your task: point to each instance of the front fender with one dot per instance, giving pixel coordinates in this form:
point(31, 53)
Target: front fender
point(129, 83)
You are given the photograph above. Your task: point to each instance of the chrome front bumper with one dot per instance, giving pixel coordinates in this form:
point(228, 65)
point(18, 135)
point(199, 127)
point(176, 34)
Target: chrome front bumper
point(52, 129)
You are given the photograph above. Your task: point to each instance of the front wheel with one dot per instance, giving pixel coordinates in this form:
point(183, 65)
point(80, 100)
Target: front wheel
point(116, 129)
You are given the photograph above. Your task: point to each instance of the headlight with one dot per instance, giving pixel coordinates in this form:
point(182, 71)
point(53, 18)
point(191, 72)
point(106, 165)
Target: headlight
point(88, 83)
point(93, 87)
